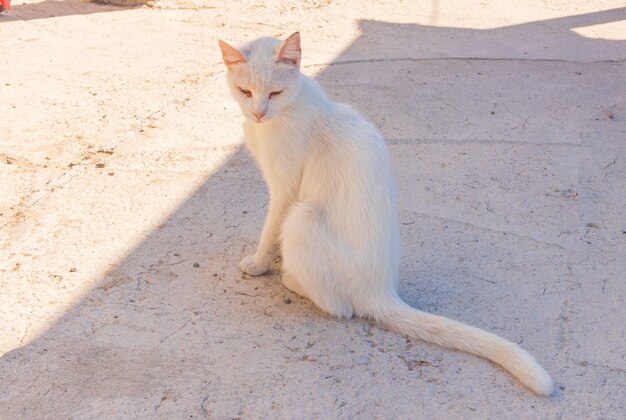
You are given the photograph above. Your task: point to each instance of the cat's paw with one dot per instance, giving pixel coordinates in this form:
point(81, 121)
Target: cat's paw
point(250, 265)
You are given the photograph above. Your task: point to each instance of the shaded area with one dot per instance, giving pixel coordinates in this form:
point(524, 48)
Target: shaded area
point(58, 8)
point(488, 155)
point(550, 40)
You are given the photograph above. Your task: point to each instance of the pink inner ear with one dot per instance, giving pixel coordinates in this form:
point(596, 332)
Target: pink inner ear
point(230, 54)
point(290, 52)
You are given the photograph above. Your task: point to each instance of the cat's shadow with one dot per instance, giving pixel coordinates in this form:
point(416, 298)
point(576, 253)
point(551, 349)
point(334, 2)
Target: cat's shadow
point(141, 326)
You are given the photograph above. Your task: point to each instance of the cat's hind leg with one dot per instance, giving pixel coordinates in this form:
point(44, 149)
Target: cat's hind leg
point(311, 260)
point(291, 283)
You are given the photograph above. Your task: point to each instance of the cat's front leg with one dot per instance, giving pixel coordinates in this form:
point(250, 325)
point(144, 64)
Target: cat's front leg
point(260, 262)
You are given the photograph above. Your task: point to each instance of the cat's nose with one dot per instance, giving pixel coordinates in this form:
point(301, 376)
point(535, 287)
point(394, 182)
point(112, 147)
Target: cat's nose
point(258, 115)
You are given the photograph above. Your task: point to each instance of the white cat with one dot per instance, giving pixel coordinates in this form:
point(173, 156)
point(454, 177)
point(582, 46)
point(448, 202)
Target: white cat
point(333, 205)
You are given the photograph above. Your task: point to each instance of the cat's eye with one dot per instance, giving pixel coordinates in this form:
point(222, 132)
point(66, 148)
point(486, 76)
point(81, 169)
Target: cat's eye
point(275, 93)
point(246, 92)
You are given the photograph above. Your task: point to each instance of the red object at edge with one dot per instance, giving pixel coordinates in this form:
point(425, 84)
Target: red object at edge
point(4, 5)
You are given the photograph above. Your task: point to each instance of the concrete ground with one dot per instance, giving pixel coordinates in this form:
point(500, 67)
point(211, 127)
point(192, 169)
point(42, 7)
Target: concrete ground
point(127, 202)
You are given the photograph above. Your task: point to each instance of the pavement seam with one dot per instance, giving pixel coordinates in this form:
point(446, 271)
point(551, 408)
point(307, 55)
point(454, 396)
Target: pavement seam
point(510, 59)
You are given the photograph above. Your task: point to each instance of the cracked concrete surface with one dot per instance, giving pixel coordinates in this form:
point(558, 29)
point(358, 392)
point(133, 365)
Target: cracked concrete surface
point(127, 202)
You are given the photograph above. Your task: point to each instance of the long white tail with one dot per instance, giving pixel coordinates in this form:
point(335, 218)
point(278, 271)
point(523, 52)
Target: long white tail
point(454, 335)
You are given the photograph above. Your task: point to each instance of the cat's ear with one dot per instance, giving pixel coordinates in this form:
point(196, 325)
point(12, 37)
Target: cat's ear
point(231, 54)
point(289, 52)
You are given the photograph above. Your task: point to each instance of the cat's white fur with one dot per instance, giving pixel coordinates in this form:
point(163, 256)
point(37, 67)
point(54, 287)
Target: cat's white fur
point(333, 205)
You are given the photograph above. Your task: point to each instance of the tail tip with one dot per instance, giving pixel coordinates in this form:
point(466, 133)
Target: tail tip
point(542, 384)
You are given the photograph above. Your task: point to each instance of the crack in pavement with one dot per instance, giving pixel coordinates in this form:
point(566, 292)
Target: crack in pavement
point(395, 141)
point(510, 59)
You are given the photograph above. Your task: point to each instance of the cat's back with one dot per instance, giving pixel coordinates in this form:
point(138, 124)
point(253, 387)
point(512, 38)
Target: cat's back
point(349, 166)
point(350, 137)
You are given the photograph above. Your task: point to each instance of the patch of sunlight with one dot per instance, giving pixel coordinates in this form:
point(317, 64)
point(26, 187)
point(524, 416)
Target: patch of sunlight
point(65, 243)
point(613, 31)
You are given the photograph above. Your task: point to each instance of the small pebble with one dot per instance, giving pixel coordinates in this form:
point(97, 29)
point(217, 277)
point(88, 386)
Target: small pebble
point(111, 173)
point(196, 265)
point(100, 164)
point(287, 300)
point(72, 270)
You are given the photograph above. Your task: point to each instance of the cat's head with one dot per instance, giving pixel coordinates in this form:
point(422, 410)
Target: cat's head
point(263, 75)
